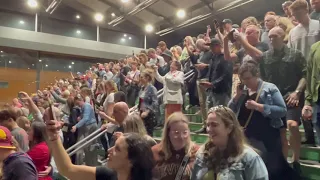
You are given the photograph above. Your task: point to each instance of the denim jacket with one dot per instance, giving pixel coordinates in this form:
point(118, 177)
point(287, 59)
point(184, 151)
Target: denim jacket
point(272, 100)
point(247, 166)
point(150, 99)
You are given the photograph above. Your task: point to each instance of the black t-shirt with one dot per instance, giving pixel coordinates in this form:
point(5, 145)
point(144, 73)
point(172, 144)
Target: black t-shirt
point(104, 173)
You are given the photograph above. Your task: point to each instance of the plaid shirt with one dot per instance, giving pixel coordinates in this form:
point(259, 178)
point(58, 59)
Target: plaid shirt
point(283, 68)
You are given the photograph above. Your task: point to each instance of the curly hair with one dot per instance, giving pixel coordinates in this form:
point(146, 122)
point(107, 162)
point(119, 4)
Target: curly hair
point(213, 156)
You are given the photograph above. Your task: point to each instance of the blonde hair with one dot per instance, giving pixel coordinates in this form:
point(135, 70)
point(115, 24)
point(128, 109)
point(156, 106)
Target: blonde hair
point(236, 141)
point(284, 21)
point(22, 121)
point(166, 145)
point(134, 123)
point(249, 21)
point(112, 84)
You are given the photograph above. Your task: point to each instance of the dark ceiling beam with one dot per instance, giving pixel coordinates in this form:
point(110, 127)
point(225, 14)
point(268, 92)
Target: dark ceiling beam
point(132, 19)
point(190, 9)
point(138, 8)
point(208, 4)
point(171, 3)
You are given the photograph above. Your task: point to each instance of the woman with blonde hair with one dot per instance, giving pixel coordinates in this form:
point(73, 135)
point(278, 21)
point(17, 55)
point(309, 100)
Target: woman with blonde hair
point(286, 24)
point(226, 156)
point(134, 124)
point(148, 101)
point(108, 104)
point(172, 88)
point(249, 21)
point(176, 152)
point(188, 41)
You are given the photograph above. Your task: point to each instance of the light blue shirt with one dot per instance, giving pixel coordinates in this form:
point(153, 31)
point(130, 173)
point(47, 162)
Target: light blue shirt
point(88, 116)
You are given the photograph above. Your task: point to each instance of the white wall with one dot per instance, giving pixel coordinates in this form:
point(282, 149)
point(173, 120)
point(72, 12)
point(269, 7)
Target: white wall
point(17, 38)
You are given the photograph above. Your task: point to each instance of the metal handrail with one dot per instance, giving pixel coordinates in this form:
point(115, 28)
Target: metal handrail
point(131, 110)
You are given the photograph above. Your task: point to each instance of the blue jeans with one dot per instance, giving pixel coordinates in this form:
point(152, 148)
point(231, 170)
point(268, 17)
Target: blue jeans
point(316, 121)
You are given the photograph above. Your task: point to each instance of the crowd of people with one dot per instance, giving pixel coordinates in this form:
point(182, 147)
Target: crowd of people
point(250, 84)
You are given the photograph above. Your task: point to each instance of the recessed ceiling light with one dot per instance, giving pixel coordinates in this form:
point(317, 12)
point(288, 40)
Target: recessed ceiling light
point(124, 1)
point(46, 65)
point(1, 51)
point(28, 68)
point(70, 67)
point(98, 17)
point(72, 62)
point(125, 35)
point(149, 28)
point(9, 62)
point(113, 14)
point(181, 13)
point(78, 32)
point(32, 3)
point(40, 60)
point(32, 64)
point(78, 16)
point(129, 37)
point(21, 22)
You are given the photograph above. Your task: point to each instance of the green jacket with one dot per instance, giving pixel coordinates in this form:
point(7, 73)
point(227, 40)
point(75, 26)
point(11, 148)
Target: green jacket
point(313, 75)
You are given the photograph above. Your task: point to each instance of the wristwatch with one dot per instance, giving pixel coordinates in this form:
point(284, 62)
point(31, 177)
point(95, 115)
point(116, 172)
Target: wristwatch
point(297, 91)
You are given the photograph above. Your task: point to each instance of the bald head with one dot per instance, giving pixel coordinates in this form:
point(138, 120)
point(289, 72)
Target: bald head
point(120, 111)
point(276, 36)
point(270, 21)
point(277, 31)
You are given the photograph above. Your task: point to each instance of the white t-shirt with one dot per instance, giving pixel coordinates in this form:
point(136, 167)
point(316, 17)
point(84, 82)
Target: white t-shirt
point(109, 100)
point(302, 38)
point(153, 62)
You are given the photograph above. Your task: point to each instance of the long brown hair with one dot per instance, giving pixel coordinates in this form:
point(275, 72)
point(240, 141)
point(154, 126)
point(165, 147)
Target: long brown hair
point(217, 159)
point(166, 146)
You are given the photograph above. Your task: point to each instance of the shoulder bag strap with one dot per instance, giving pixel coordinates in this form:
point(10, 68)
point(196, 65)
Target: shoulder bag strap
point(182, 167)
point(251, 113)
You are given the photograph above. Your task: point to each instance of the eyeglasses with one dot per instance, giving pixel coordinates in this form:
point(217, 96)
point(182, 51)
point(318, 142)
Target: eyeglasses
point(183, 134)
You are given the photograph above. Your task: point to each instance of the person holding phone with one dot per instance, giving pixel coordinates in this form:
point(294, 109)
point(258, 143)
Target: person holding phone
point(259, 107)
point(219, 77)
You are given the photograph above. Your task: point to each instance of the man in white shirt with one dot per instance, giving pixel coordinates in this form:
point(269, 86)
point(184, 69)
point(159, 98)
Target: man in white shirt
point(154, 58)
point(306, 32)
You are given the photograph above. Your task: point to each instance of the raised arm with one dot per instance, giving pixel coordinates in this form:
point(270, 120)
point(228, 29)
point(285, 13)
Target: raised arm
point(251, 50)
point(62, 159)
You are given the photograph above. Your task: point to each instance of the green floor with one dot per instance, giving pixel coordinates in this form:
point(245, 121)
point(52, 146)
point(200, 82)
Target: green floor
point(310, 156)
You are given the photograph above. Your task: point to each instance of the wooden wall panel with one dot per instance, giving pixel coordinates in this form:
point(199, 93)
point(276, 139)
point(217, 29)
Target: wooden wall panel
point(48, 77)
point(18, 79)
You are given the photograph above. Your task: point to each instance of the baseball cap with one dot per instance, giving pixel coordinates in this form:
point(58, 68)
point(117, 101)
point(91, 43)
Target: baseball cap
point(235, 26)
point(214, 41)
point(6, 138)
point(167, 53)
point(227, 21)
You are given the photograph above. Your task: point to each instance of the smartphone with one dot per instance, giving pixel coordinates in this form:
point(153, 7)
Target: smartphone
point(216, 23)
point(132, 53)
point(51, 113)
point(231, 37)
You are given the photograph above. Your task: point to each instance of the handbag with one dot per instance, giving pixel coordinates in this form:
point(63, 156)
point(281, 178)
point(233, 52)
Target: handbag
point(251, 113)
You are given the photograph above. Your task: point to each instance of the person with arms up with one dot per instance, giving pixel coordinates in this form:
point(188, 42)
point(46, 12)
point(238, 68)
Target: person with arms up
point(276, 65)
point(130, 159)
